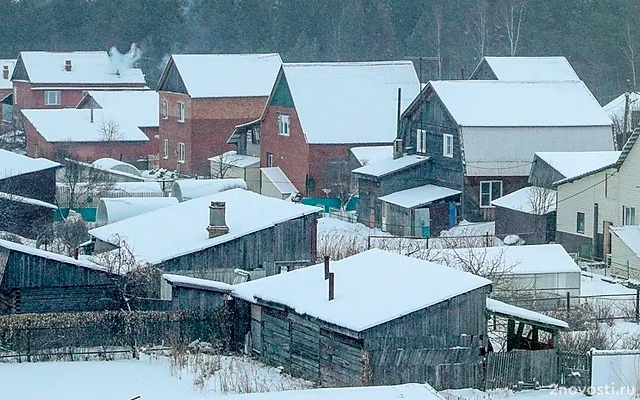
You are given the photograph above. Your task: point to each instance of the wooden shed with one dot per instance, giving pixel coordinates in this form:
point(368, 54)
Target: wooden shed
point(378, 319)
point(38, 281)
point(188, 293)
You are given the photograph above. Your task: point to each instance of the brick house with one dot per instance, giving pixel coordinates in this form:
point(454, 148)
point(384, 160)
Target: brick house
point(318, 111)
point(202, 98)
point(59, 80)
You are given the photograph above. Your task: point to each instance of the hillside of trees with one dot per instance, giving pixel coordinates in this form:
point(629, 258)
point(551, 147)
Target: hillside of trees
point(599, 37)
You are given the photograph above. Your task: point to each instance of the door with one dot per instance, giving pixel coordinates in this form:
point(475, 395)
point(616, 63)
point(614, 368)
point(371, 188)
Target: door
point(421, 222)
point(453, 215)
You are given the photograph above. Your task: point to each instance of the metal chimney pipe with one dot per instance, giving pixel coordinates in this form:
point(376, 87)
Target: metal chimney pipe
point(5, 72)
point(67, 65)
point(331, 286)
point(326, 267)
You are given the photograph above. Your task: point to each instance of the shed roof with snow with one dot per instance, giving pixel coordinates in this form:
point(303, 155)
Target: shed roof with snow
point(419, 196)
point(574, 164)
point(616, 107)
point(359, 282)
point(187, 189)
point(530, 200)
point(362, 96)
point(141, 107)
point(77, 125)
point(528, 69)
point(521, 314)
point(225, 75)
point(87, 67)
point(232, 158)
point(177, 230)
point(630, 236)
point(13, 164)
point(372, 154)
point(112, 210)
point(390, 166)
point(279, 179)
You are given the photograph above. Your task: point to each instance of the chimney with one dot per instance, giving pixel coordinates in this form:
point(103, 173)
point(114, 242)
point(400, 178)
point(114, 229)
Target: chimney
point(5, 72)
point(217, 224)
point(331, 286)
point(326, 267)
point(67, 65)
point(91, 113)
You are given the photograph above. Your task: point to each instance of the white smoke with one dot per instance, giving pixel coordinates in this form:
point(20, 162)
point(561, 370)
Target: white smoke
point(122, 62)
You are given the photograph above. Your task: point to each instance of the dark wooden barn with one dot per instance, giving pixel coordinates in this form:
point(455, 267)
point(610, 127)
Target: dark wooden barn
point(379, 319)
point(38, 281)
point(211, 236)
point(195, 294)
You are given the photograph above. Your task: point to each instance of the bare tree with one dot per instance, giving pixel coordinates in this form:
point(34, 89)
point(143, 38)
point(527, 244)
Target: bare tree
point(541, 200)
point(629, 52)
point(512, 17)
point(480, 31)
point(437, 23)
point(222, 164)
point(80, 184)
point(110, 131)
point(339, 181)
point(69, 234)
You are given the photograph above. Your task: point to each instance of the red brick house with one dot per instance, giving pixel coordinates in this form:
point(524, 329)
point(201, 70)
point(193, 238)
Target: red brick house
point(202, 99)
point(60, 80)
point(6, 90)
point(318, 111)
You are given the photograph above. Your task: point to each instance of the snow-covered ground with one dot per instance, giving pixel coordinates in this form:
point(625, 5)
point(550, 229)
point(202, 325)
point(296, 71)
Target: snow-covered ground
point(151, 378)
point(544, 394)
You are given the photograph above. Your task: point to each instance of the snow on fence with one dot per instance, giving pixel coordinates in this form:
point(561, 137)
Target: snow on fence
point(347, 216)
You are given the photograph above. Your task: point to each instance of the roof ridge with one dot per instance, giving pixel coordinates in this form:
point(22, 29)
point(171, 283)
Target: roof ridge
point(348, 63)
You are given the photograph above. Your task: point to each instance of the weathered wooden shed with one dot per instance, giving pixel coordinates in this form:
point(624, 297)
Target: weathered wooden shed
point(188, 293)
point(38, 281)
point(244, 230)
point(379, 319)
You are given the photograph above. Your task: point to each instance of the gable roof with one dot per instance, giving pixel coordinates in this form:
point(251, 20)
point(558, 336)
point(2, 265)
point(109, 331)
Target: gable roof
point(529, 69)
point(13, 164)
point(530, 259)
point(6, 83)
point(141, 107)
point(359, 282)
point(177, 230)
point(74, 125)
point(87, 67)
point(572, 164)
point(615, 108)
point(477, 103)
point(226, 75)
point(630, 236)
point(353, 102)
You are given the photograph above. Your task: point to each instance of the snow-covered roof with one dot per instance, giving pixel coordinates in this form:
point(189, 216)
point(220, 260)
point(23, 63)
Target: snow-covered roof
point(372, 154)
point(630, 236)
point(354, 102)
point(530, 200)
point(520, 260)
point(279, 179)
point(572, 164)
point(10, 64)
point(177, 230)
point(419, 196)
point(410, 391)
point(531, 69)
point(140, 107)
point(197, 283)
point(49, 255)
point(13, 164)
point(138, 187)
point(234, 159)
point(228, 75)
point(615, 108)
point(476, 103)
point(359, 281)
point(508, 310)
point(116, 165)
point(389, 166)
point(27, 200)
point(187, 189)
point(74, 125)
point(112, 210)
point(87, 67)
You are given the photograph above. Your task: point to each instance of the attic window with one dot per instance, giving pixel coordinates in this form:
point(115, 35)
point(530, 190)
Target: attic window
point(283, 124)
point(52, 97)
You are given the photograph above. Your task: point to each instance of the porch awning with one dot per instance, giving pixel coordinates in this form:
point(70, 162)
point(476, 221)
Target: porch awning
point(505, 310)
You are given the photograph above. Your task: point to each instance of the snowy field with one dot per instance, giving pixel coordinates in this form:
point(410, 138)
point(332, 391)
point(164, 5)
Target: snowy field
point(544, 394)
point(151, 378)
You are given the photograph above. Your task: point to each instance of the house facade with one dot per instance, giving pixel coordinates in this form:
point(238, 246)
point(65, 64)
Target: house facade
point(203, 98)
point(318, 111)
point(60, 80)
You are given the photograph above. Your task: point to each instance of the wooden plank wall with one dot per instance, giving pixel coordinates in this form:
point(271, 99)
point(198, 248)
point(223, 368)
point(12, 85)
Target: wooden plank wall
point(507, 369)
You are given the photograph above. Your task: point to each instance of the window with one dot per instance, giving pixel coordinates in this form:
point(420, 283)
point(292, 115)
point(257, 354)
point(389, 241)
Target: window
point(255, 135)
point(489, 191)
point(269, 159)
point(165, 149)
point(421, 141)
point(52, 97)
point(181, 115)
point(181, 151)
point(164, 109)
point(447, 145)
point(628, 215)
point(580, 222)
point(283, 124)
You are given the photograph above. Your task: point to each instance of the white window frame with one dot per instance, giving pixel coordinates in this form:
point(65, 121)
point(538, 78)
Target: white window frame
point(181, 152)
point(284, 125)
point(181, 112)
point(490, 193)
point(52, 101)
point(269, 159)
point(164, 109)
point(165, 149)
point(421, 141)
point(447, 145)
point(628, 215)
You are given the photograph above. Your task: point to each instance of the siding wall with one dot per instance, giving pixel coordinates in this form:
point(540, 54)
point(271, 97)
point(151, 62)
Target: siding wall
point(624, 261)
